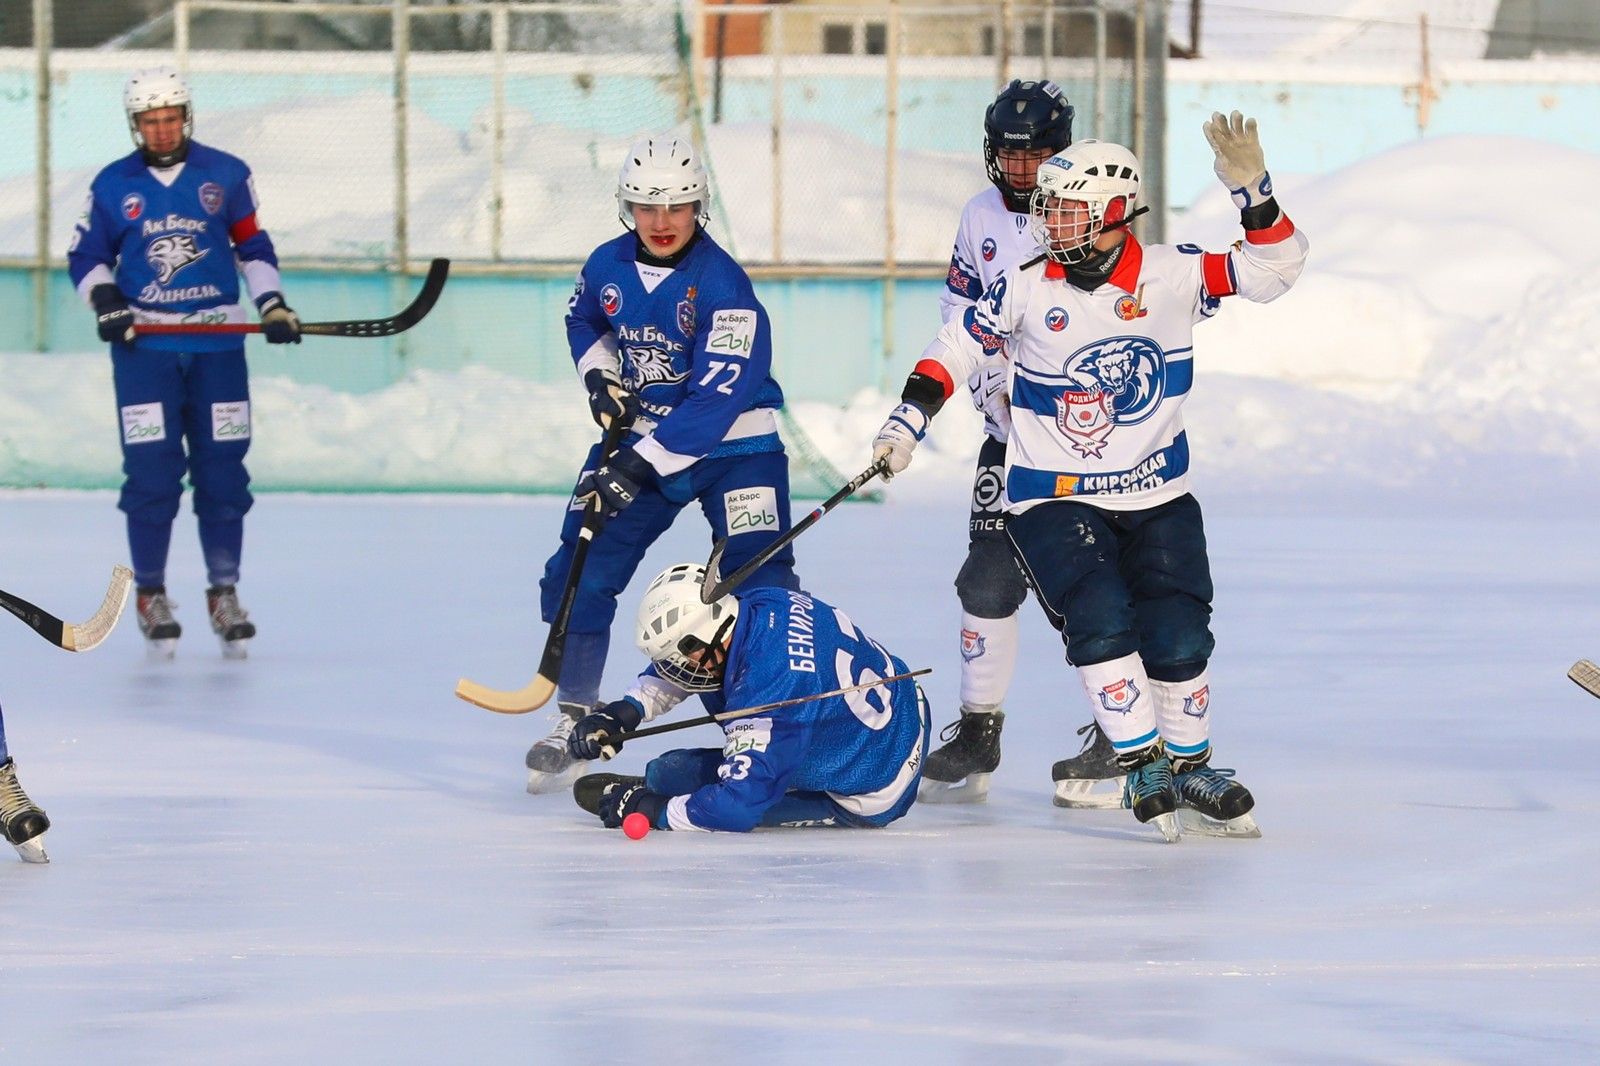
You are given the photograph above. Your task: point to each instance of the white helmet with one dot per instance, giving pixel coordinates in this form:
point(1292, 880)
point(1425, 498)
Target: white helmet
point(674, 624)
point(1100, 174)
point(150, 89)
point(662, 169)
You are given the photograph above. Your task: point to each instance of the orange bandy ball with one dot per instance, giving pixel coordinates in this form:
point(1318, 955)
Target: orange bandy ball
point(635, 826)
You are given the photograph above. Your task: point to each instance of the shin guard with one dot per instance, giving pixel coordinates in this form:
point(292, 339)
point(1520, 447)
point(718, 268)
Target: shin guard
point(1119, 693)
point(1183, 713)
point(988, 658)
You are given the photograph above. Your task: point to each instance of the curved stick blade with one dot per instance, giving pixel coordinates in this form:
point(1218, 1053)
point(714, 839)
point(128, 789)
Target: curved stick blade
point(520, 701)
point(90, 634)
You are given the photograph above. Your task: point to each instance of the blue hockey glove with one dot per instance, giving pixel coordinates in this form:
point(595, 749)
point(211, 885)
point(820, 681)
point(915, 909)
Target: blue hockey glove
point(608, 400)
point(617, 482)
point(618, 801)
point(595, 735)
point(113, 317)
point(279, 323)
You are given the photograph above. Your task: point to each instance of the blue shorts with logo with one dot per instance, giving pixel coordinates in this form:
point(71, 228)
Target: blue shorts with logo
point(749, 493)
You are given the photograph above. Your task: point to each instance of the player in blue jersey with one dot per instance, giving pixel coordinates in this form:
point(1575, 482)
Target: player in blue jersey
point(22, 823)
point(165, 233)
point(850, 759)
point(667, 334)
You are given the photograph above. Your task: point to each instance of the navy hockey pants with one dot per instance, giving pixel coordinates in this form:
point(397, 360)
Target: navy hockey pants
point(754, 489)
point(1119, 582)
point(166, 400)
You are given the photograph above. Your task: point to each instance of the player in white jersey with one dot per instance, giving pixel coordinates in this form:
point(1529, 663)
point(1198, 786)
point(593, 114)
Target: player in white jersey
point(1027, 123)
point(1099, 334)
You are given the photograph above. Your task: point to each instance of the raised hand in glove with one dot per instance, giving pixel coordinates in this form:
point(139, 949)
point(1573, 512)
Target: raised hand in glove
point(619, 800)
point(617, 482)
point(279, 323)
point(608, 400)
point(899, 437)
point(595, 735)
point(1240, 163)
point(113, 317)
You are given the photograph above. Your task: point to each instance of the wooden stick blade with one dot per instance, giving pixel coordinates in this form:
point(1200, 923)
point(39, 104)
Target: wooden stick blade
point(1587, 675)
point(92, 633)
point(531, 697)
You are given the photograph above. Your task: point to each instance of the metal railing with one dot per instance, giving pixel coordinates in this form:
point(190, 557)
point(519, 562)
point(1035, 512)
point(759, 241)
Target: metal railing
point(775, 86)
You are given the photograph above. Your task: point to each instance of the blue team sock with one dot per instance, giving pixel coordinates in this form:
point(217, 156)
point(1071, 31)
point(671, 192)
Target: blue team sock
point(4, 755)
point(583, 660)
point(148, 543)
point(222, 544)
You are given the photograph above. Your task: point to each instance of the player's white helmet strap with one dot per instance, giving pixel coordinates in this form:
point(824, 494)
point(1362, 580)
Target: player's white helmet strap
point(681, 635)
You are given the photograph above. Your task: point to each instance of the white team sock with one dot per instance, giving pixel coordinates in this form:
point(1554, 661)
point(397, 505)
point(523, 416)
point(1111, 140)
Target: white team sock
point(1183, 711)
point(1119, 692)
point(988, 658)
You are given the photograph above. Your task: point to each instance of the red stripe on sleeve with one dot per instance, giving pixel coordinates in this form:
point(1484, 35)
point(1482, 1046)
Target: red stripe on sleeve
point(1214, 274)
point(244, 229)
point(1278, 231)
point(934, 369)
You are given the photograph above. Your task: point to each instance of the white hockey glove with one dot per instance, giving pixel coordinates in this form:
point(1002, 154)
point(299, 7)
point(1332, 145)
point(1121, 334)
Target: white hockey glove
point(990, 396)
point(905, 428)
point(1240, 163)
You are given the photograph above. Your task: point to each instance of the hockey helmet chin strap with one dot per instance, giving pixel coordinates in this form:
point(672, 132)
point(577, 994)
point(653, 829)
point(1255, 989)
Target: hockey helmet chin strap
point(715, 652)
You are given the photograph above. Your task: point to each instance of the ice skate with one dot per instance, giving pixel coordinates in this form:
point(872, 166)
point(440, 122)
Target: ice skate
point(588, 789)
point(1149, 793)
point(959, 771)
point(229, 621)
point(1212, 803)
point(551, 767)
point(161, 631)
point(21, 821)
point(1091, 778)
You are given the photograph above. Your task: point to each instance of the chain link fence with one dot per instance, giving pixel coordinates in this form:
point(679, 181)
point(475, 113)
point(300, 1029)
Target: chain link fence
point(842, 139)
point(384, 133)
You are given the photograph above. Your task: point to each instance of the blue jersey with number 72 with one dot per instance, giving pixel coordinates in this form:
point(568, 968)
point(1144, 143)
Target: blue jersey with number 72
point(691, 341)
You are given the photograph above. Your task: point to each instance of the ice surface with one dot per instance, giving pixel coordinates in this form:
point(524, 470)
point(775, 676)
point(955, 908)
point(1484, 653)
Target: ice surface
point(319, 854)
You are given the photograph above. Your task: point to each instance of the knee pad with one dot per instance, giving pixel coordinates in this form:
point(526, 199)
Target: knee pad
point(990, 584)
point(1175, 640)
